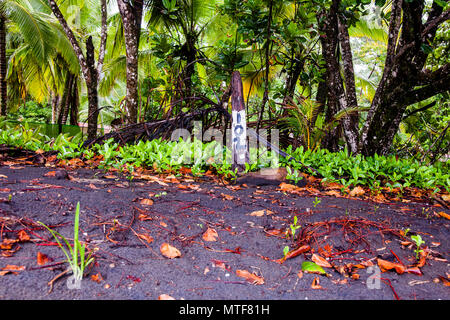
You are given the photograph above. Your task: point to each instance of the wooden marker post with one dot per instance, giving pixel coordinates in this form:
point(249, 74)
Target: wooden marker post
point(239, 123)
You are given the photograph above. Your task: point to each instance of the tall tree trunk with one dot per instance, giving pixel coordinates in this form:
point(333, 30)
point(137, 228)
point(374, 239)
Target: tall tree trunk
point(405, 80)
point(103, 38)
point(3, 68)
point(75, 102)
point(131, 13)
point(65, 101)
point(338, 96)
point(292, 77)
point(55, 98)
point(191, 53)
point(88, 69)
point(266, 81)
point(92, 89)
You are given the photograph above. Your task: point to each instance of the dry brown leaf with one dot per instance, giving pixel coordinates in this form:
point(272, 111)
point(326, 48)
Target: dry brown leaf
point(169, 251)
point(11, 269)
point(446, 281)
point(50, 174)
point(145, 237)
point(23, 236)
point(7, 243)
point(97, 278)
point(446, 197)
point(357, 191)
point(165, 297)
point(5, 190)
point(146, 202)
point(43, 259)
point(333, 193)
point(210, 235)
point(289, 187)
point(315, 284)
point(320, 261)
point(300, 274)
point(260, 213)
point(387, 265)
point(143, 217)
point(444, 215)
point(227, 196)
point(250, 277)
point(274, 232)
point(293, 253)
point(332, 186)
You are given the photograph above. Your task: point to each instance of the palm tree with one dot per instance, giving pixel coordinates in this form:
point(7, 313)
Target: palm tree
point(87, 63)
point(186, 21)
point(38, 48)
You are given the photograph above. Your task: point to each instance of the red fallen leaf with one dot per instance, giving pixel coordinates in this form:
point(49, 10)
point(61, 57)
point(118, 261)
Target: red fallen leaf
point(147, 202)
point(210, 235)
point(134, 279)
point(50, 174)
point(294, 253)
point(145, 237)
point(315, 284)
point(250, 277)
point(357, 191)
point(274, 232)
point(387, 265)
point(143, 217)
point(286, 187)
point(423, 258)
point(43, 259)
point(320, 261)
point(23, 236)
point(414, 270)
point(445, 281)
point(355, 276)
point(220, 264)
point(97, 278)
point(5, 190)
point(227, 196)
point(444, 215)
point(11, 269)
point(236, 250)
point(7, 244)
point(169, 251)
point(75, 162)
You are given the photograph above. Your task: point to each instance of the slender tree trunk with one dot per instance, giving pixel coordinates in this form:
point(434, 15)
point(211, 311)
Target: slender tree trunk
point(3, 68)
point(131, 14)
point(65, 101)
point(191, 53)
point(103, 38)
point(92, 89)
point(292, 78)
point(75, 102)
point(266, 81)
point(88, 69)
point(55, 98)
point(350, 88)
